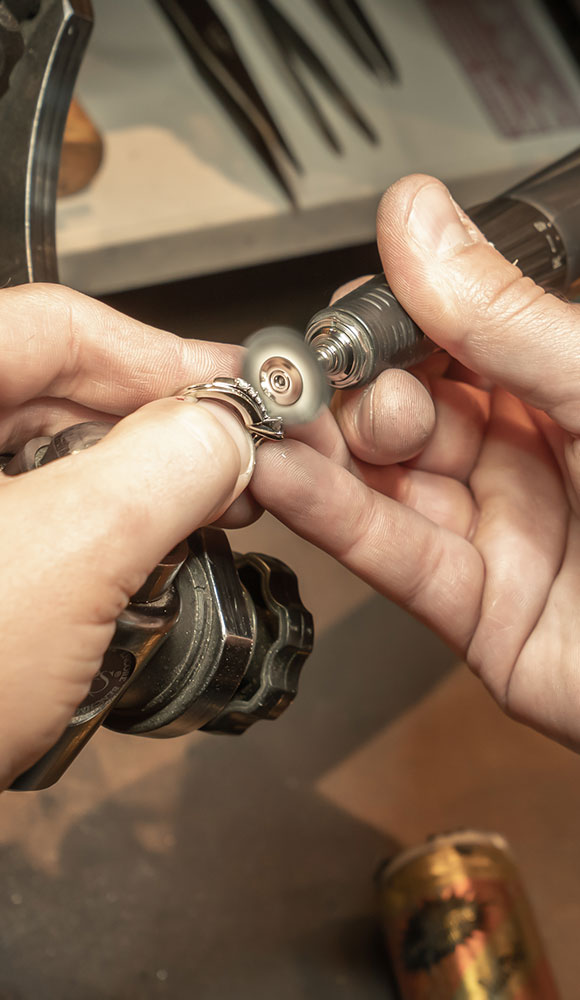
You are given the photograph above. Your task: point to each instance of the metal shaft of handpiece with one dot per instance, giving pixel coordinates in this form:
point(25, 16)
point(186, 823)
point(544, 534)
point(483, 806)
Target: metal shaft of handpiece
point(536, 224)
point(365, 332)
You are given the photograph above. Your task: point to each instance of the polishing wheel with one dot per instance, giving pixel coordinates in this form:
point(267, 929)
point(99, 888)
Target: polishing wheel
point(285, 372)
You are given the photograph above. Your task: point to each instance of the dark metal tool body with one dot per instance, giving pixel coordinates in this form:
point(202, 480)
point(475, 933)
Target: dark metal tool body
point(351, 22)
point(536, 224)
point(41, 47)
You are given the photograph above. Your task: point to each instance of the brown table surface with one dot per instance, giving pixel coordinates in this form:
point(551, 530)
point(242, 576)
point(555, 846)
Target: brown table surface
point(221, 868)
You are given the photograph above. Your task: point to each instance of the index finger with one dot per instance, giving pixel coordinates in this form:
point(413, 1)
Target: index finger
point(430, 570)
point(56, 342)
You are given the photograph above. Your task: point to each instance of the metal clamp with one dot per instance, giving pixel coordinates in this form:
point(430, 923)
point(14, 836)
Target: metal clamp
point(243, 398)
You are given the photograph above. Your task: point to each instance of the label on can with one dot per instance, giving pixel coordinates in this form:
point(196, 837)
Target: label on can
point(458, 924)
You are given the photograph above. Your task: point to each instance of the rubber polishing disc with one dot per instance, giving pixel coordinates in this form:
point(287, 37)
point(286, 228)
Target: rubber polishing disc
point(283, 369)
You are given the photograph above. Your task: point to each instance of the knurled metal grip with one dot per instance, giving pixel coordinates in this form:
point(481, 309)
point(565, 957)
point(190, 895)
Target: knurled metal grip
point(368, 331)
point(363, 333)
point(526, 237)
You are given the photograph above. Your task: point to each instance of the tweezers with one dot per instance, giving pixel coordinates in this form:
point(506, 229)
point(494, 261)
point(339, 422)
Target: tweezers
point(350, 20)
point(212, 48)
point(293, 47)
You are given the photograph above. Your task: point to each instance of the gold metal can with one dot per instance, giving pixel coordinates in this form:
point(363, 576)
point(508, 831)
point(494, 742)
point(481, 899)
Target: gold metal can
point(458, 924)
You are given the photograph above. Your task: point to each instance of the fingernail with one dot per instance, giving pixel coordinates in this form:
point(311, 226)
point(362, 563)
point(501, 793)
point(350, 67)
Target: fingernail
point(434, 222)
point(237, 432)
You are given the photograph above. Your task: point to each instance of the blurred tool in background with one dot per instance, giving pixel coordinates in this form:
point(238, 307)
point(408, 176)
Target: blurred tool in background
point(349, 19)
point(217, 56)
point(294, 50)
point(458, 924)
point(214, 52)
point(41, 47)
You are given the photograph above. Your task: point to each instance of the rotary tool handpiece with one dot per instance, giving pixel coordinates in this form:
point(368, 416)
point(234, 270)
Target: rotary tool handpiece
point(536, 224)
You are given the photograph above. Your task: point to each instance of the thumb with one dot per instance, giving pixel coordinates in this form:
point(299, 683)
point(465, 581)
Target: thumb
point(114, 510)
point(475, 304)
point(80, 536)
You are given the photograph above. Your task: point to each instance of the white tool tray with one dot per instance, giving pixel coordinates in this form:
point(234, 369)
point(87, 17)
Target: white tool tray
point(182, 193)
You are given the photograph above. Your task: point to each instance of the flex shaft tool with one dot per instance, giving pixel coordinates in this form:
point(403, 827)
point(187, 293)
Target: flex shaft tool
point(536, 223)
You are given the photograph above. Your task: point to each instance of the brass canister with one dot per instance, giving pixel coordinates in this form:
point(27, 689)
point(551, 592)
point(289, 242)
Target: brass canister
point(458, 924)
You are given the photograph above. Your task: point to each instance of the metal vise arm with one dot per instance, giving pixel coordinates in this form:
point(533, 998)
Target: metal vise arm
point(42, 43)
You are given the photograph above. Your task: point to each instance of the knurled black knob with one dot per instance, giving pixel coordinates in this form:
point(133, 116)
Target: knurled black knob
point(283, 639)
point(11, 46)
point(526, 236)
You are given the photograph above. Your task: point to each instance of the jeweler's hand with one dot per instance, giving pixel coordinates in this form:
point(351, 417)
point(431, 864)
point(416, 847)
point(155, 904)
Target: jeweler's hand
point(78, 537)
point(456, 492)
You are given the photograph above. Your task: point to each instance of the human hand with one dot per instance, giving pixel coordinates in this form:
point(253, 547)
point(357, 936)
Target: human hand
point(78, 537)
point(455, 492)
